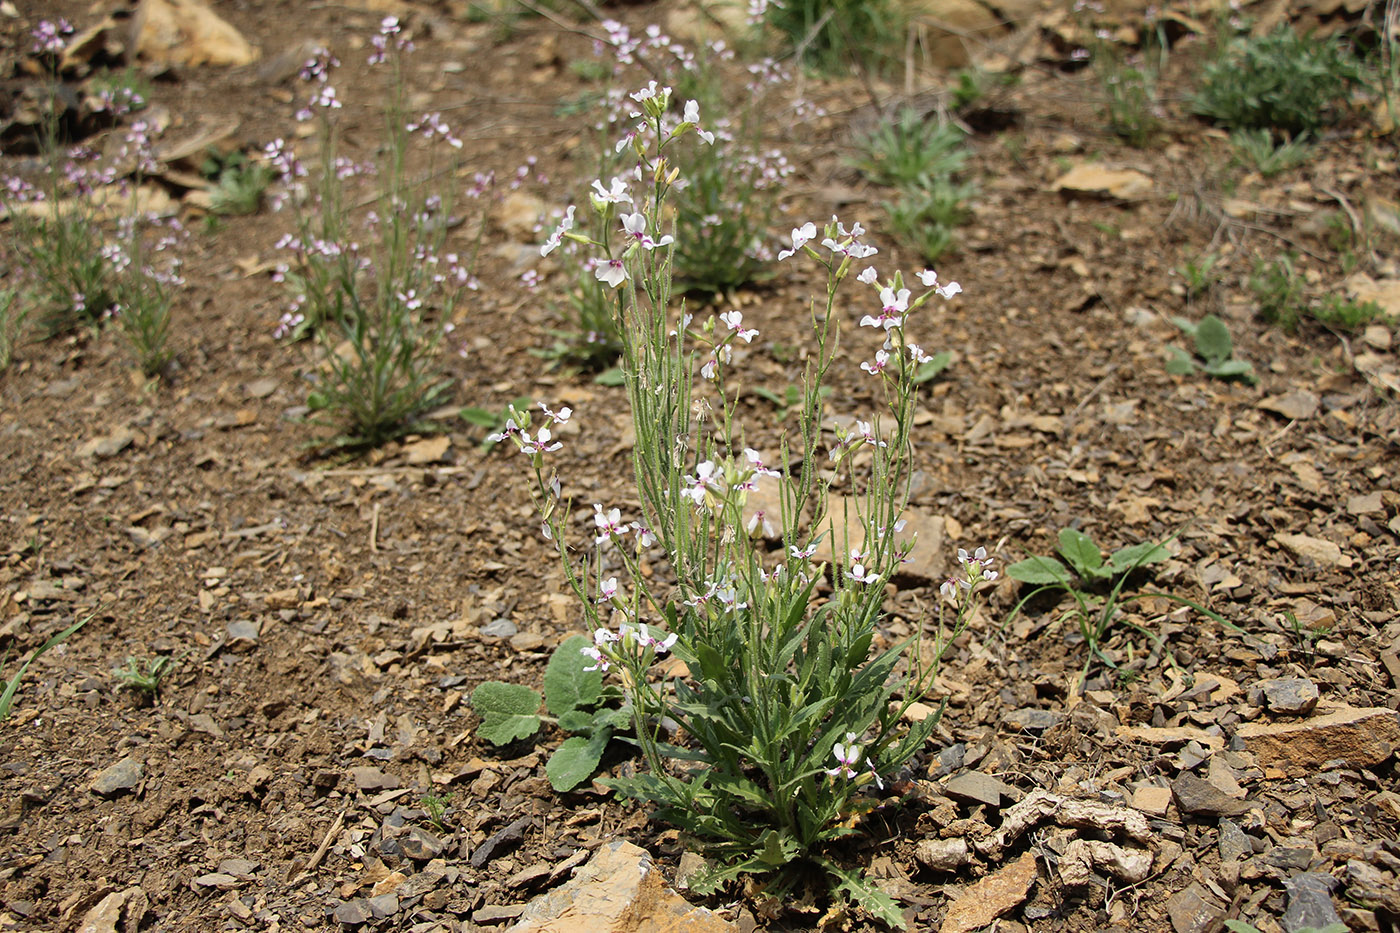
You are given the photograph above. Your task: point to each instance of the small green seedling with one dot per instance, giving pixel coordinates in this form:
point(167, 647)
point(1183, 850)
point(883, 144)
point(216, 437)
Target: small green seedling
point(146, 675)
point(577, 703)
point(1095, 614)
point(436, 806)
point(1199, 275)
point(238, 182)
point(1256, 147)
point(1215, 350)
point(11, 686)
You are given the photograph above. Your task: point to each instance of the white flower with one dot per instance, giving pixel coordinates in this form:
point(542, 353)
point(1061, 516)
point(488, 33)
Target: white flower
point(800, 237)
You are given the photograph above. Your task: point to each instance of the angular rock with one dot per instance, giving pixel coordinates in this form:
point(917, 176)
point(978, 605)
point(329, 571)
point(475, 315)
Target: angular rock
point(352, 913)
point(980, 788)
point(383, 905)
point(1298, 405)
point(1032, 720)
point(1193, 910)
point(428, 450)
point(126, 908)
point(991, 897)
point(120, 778)
point(1234, 844)
point(1200, 797)
point(1309, 902)
point(421, 845)
point(189, 33)
point(1152, 800)
point(371, 778)
point(619, 889)
point(108, 446)
point(243, 635)
point(1362, 736)
point(1290, 695)
point(1319, 551)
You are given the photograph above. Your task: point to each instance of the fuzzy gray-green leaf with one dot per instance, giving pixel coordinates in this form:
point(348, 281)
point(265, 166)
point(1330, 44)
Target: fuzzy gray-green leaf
point(567, 686)
point(508, 711)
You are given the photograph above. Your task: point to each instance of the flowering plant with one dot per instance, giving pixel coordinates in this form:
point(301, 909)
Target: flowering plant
point(379, 310)
point(779, 718)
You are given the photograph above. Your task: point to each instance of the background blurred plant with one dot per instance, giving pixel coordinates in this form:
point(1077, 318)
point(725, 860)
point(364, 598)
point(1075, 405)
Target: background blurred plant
point(14, 314)
point(921, 158)
point(840, 35)
point(1258, 149)
point(377, 299)
point(1281, 81)
point(1128, 78)
point(1215, 350)
point(239, 182)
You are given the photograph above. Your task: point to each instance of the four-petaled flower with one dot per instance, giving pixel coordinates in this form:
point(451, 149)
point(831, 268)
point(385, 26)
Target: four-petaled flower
point(868, 276)
point(615, 193)
point(607, 590)
point(611, 272)
point(756, 463)
point(703, 481)
point(609, 523)
point(658, 645)
point(861, 575)
point(802, 553)
point(735, 322)
point(558, 417)
point(540, 445)
point(894, 304)
point(510, 430)
point(930, 280)
point(600, 663)
point(635, 226)
point(800, 238)
point(882, 360)
point(847, 755)
point(692, 116)
point(557, 236)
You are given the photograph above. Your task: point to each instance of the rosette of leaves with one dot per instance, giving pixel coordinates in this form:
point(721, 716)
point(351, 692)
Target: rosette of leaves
point(1214, 352)
point(577, 703)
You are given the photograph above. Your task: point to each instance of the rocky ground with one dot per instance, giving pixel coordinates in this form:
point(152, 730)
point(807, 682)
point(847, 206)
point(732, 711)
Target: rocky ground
point(331, 618)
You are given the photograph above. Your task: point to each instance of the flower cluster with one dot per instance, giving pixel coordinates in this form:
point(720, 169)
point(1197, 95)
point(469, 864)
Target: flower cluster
point(976, 568)
point(49, 36)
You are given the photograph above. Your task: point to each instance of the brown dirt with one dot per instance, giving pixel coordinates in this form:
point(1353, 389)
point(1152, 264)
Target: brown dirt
point(1057, 411)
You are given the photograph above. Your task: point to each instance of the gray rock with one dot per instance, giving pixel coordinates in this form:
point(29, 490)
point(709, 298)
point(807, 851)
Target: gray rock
point(1290, 858)
point(421, 845)
point(1309, 902)
point(1200, 797)
point(980, 788)
point(368, 778)
point(1291, 696)
point(352, 913)
point(1234, 844)
point(243, 634)
point(385, 905)
point(499, 628)
point(1193, 910)
point(120, 778)
point(1032, 720)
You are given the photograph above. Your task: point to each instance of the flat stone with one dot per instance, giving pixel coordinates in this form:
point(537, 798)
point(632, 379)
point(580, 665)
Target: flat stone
point(217, 880)
point(980, 788)
point(1361, 736)
point(354, 912)
point(1193, 910)
point(1319, 551)
point(991, 897)
point(108, 446)
point(1092, 178)
point(942, 854)
point(370, 778)
point(1152, 800)
point(1309, 902)
point(1290, 858)
point(120, 778)
point(238, 867)
point(1298, 405)
point(618, 889)
point(1199, 797)
point(243, 634)
point(188, 33)
point(428, 450)
point(1291, 696)
point(1032, 720)
point(383, 905)
point(499, 628)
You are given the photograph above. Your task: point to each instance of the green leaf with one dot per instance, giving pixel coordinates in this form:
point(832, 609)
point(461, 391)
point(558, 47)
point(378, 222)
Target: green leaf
point(576, 720)
point(1180, 362)
point(611, 377)
point(866, 896)
point(1213, 339)
point(1232, 369)
point(567, 686)
point(481, 417)
point(778, 849)
point(936, 364)
point(575, 761)
point(1188, 326)
point(1137, 555)
point(508, 711)
point(1039, 571)
point(1081, 552)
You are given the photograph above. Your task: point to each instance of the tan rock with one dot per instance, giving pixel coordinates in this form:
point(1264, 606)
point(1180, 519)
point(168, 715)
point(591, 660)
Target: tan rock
point(428, 450)
point(520, 215)
point(618, 891)
point(1087, 178)
point(1320, 551)
point(1363, 737)
point(952, 30)
point(991, 897)
point(189, 33)
point(1384, 292)
point(927, 562)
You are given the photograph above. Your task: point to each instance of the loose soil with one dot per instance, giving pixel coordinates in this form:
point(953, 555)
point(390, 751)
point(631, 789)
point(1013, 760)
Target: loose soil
point(332, 617)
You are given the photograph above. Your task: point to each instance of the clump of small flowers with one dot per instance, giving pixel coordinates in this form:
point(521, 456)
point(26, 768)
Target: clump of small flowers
point(784, 718)
point(381, 282)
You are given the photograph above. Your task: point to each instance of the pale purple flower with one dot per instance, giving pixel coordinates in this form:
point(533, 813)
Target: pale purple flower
point(930, 280)
point(600, 663)
point(760, 519)
point(615, 193)
point(645, 537)
point(877, 368)
point(635, 227)
point(608, 523)
point(610, 272)
point(48, 36)
point(868, 276)
point(735, 321)
point(510, 430)
point(756, 463)
point(707, 476)
point(607, 590)
point(800, 237)
point(894, 304)
point(847, 755)
point(557, 236)
point(803, 553)
point(561, 416)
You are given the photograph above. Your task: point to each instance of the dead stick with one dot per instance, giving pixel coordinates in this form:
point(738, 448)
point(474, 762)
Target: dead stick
point(321, 849)
point(374, 530)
